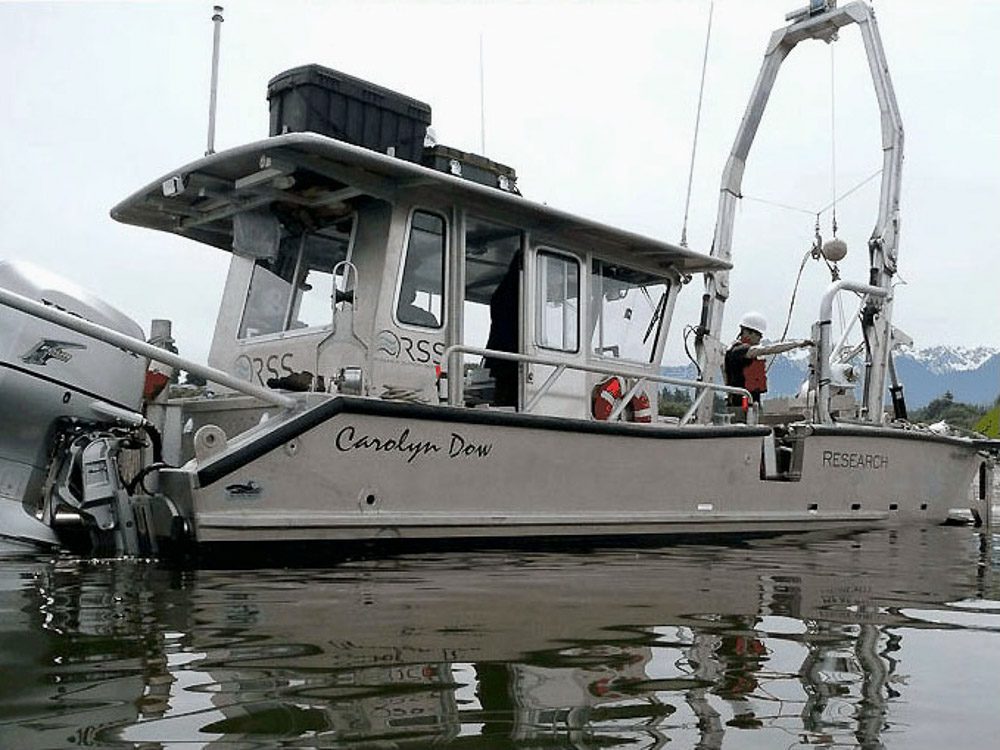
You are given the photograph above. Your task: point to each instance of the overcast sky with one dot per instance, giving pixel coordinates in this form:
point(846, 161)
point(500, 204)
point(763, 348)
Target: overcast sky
point(593, 104)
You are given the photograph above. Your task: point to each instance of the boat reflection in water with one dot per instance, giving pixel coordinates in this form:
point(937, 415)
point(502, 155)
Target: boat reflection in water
point(886, 636)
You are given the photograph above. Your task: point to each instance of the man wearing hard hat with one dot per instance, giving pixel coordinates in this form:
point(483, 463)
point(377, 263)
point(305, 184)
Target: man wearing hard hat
point(743, 366)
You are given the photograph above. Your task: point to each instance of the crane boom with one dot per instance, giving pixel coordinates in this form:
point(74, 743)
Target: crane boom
point(820, 20)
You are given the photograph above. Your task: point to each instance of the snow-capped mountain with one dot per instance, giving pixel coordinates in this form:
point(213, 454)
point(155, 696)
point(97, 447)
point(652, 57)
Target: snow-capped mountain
point(972, 375)
point(944, 359)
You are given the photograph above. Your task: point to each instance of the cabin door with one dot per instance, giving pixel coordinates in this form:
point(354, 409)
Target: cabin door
point(491, 312)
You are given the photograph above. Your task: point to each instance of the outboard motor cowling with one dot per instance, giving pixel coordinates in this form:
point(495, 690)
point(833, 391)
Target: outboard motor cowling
point(51, 376)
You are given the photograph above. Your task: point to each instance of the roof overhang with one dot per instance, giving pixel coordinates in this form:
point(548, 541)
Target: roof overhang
point(316, 175)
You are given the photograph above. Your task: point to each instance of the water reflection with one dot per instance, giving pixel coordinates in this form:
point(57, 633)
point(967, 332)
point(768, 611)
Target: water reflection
point(780, 643)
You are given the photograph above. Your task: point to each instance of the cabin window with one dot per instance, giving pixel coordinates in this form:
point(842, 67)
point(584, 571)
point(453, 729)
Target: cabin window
point(292, 290)
point(557, 302)
point(421, 290)
point(628, 307)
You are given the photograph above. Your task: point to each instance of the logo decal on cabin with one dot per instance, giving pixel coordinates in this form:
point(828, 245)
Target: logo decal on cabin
point(47, 349)
point(421, 351)
point(388, 343)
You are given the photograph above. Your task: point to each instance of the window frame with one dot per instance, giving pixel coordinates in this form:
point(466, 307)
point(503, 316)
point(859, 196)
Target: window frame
point(539, 302)
point(285, 331)
point(445, 269)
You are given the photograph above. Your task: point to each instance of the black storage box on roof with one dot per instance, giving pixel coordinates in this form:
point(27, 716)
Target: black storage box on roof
point(320, 100)
point(472, 167)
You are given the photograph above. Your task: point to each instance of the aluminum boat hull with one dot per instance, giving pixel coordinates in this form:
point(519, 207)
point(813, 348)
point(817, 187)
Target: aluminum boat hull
point(364, 469)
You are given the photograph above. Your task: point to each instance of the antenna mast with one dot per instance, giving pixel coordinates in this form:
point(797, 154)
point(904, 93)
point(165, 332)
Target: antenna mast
point(482, 99)
point(217, 21)
point(697, 125)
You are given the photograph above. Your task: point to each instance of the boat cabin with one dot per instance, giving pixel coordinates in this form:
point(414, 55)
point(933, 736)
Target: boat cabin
point(354, 271)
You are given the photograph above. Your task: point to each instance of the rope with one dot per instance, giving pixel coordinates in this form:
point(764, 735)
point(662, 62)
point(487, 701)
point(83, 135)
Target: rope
point(398, 393)
point(809, 211)
point(779, 205)
point(854, 189)
point(833, 141)
point(791, 303)
point(697, 126)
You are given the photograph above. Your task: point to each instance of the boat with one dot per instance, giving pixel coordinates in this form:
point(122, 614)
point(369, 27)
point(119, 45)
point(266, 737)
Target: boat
point(409, 351)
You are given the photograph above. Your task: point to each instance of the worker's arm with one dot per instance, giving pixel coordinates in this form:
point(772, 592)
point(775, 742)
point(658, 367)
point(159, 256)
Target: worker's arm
point(763, 350)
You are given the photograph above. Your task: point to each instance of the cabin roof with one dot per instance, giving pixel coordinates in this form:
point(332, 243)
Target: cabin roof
point(315, 177)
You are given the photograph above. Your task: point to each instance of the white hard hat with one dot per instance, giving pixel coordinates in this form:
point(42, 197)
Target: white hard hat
point(755, 322)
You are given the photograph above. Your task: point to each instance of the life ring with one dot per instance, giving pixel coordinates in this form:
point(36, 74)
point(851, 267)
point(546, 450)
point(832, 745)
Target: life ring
point(640, 409)
point(606, 396)
point(609, 392)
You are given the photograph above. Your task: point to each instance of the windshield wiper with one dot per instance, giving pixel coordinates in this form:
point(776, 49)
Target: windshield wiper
point(657, 314)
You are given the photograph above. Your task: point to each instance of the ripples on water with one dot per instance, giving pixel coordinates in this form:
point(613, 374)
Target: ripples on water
point(877, 639)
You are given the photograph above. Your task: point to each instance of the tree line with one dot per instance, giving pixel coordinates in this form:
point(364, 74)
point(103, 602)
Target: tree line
point(674, 402)
point(955, 413)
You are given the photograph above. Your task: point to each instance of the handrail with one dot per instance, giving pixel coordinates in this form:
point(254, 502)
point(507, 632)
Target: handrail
point(584, 367)
point(336, 296)
point(138, 346)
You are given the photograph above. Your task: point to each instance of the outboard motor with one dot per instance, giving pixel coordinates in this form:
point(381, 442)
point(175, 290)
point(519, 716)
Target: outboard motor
point(68, 405)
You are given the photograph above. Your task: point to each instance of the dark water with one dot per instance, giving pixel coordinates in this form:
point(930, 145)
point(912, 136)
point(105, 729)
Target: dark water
point(877, 639)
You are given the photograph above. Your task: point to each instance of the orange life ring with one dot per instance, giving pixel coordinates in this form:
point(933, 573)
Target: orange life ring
point(606, 395)
point(609, 392)
point(640, 408)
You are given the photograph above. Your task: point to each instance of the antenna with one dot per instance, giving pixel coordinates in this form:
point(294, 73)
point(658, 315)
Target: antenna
point(217, 22)
point(482, 99)
point(697, 126)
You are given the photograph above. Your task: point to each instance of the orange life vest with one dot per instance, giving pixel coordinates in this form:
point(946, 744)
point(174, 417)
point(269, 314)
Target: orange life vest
point(755, 376)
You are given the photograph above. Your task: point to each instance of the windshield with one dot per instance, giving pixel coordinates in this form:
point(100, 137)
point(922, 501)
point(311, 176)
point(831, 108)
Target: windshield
point(627, 308)
point(293, 290)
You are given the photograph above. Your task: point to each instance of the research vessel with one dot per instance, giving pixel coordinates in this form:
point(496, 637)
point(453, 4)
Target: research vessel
point(409, 350)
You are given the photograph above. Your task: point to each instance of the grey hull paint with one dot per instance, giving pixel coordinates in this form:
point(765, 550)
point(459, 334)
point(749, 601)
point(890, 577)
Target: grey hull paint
point(360, 469)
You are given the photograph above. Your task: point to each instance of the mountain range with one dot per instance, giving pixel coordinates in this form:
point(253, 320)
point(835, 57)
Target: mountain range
point(972, 375)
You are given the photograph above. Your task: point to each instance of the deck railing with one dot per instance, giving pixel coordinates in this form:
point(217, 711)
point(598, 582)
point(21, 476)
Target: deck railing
point(455, 386)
